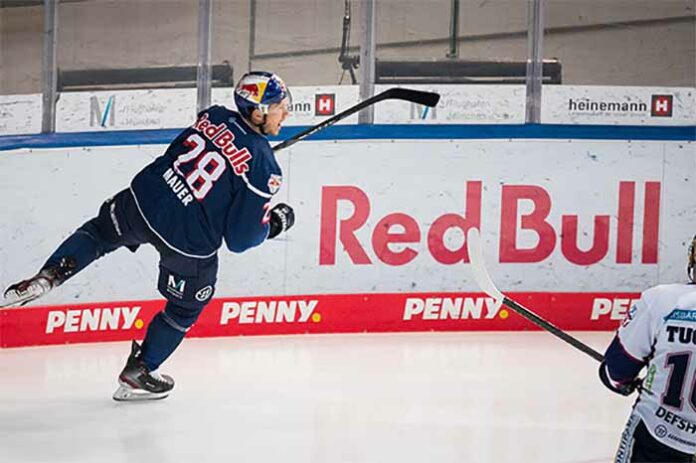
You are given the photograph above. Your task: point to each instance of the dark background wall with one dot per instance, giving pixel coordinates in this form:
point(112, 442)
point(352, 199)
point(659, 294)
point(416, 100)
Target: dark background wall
point(599, 42)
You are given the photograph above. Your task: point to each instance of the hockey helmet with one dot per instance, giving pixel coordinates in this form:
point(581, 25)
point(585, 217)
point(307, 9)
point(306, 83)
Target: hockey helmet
point(691, 266)
point(259, 90)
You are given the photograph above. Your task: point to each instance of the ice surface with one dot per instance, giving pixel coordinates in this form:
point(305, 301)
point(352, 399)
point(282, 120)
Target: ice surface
point(425, 397)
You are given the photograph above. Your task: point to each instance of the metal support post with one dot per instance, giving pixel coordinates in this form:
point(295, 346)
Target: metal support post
point(205, 19)
point(367, 58)
point(535, 60)
point(49, 71)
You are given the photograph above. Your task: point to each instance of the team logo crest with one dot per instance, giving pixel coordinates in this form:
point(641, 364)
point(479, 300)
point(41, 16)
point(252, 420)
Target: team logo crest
point(204, 294)
point(274, 183)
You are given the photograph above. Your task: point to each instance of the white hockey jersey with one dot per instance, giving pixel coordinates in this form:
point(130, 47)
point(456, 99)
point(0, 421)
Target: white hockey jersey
point(661, 329)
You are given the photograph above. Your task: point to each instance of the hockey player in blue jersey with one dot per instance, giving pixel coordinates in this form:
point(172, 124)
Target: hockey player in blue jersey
point(659, 332)
point(215, 182)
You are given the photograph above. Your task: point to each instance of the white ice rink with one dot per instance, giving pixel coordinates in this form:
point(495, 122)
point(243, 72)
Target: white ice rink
point(427, 397)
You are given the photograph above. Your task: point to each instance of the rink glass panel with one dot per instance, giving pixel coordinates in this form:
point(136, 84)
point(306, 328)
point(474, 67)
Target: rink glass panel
point(623, 42)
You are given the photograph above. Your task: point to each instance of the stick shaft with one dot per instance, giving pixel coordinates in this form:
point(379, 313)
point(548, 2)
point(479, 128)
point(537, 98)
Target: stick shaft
point(484, 281)
point(426, 98)
point(537, 320)
point(330, 121)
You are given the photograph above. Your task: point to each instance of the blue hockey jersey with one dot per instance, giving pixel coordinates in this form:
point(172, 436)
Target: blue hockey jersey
point(215, 181)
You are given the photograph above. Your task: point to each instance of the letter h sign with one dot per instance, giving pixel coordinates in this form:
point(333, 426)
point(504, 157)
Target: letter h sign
point(661, 106)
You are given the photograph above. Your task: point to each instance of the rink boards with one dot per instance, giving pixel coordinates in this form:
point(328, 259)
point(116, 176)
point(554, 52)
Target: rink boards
point(576, 221)
point(346, 313)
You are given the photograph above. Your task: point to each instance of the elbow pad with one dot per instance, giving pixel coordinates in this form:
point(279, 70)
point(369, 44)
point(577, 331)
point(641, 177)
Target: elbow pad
point(620, 387)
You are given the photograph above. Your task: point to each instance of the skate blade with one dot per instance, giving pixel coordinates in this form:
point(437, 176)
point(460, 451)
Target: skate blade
point(18, 302)
point(128, 394)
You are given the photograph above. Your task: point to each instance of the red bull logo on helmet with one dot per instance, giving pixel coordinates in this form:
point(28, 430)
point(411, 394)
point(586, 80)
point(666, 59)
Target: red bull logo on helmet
point(253, 91)
point(259, 90)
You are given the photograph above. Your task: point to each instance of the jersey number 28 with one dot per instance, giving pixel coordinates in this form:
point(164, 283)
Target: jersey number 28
point(209, 166)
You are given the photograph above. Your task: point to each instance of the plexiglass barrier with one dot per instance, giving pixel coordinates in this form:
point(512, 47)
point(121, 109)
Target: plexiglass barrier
point(135, 64)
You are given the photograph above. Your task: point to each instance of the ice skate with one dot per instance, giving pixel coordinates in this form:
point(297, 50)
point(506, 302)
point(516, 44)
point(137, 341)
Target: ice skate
point(48, 278)
point(136, 382)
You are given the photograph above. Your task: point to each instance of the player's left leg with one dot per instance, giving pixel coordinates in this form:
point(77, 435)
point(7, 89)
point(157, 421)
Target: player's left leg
point(99, 236)
point(188, 284)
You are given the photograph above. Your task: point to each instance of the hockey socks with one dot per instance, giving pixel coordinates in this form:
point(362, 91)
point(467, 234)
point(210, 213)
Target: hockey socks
point(163, 337)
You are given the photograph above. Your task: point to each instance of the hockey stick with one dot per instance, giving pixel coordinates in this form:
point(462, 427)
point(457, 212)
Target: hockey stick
point(414, 96)
point(483, 279)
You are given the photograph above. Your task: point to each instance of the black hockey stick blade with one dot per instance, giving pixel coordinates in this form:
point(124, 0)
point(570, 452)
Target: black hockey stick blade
point(414, 96)
point(483, 279)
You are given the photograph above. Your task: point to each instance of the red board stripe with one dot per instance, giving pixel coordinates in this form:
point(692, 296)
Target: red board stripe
point(336, 313)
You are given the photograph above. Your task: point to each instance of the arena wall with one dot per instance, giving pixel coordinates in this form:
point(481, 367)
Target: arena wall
point(576, 221)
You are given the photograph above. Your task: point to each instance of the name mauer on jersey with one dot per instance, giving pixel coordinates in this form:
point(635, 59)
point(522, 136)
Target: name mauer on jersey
point(223, 138)
point(177, 186)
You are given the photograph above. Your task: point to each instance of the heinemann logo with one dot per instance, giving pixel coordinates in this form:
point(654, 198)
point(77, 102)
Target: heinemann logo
point(585, 104)
point(97, 116)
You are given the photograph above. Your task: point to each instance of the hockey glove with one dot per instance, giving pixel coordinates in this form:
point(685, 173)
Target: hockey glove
point(623, 388)
point(282, 219)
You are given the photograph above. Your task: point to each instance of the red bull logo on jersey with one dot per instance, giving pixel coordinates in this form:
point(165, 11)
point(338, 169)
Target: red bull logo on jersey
point(98, 319)
point(223, 138)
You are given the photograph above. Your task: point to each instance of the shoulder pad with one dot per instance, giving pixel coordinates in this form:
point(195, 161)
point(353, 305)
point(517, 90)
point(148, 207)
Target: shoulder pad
point(265, 177)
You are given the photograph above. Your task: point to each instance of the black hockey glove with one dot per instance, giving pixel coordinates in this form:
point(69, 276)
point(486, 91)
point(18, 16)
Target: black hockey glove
point(619, 388)
point(282, 219)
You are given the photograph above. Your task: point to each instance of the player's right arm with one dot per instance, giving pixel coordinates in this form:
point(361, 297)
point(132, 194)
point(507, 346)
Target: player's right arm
point(247, 222)
point(259, 222)
point(250, 219)
point(630, 349)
